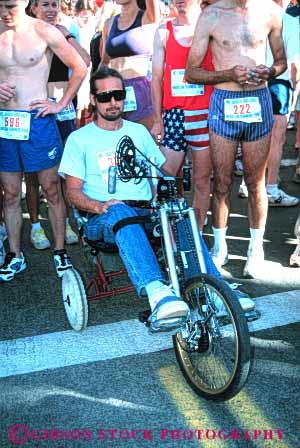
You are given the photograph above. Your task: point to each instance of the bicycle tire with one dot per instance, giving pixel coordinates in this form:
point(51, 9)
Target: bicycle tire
point(208, 369)
point(74, 299)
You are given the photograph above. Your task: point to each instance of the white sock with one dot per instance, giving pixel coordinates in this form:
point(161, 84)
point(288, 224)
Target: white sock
point(272, 189)
point(256, 239)
point(220, 244)
point(150, 289)
point(35, 226)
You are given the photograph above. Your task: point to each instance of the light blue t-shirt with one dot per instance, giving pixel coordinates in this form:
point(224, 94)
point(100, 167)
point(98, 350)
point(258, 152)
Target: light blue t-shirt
point(90, 151)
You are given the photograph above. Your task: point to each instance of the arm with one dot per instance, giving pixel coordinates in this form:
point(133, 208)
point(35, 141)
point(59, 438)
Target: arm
point(152, 13)
point(69, 56)
point(72, 41)
point(158, 62)
point(82, 201)
point(106, 29)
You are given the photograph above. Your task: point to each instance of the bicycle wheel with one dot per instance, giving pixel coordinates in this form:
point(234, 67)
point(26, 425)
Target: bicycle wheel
point(74, 299)
point(213, 351)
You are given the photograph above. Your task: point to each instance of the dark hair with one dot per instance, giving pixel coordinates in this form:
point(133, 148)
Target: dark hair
point(103, 73)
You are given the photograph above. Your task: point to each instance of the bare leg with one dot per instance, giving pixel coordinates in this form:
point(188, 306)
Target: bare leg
point(223, 153)
point(255, 156)
point(32, 196)
point(201, 179)
point(50, 182)
point(175, 159)
point(278, 137)
point(11, 183)
point(297, 123)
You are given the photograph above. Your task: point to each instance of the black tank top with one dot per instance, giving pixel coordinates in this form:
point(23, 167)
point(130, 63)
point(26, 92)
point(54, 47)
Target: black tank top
point(129, 42)
point(58, 70)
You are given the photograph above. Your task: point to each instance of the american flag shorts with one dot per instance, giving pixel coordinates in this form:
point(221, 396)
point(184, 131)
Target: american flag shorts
point(185, 129)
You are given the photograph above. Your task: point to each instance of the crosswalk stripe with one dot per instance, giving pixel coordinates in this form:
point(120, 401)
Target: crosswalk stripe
point(120, 339)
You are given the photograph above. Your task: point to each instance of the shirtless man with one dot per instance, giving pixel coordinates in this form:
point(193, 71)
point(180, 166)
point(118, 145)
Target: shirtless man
point(240, 108)
point(29, 138)
point(180, 109)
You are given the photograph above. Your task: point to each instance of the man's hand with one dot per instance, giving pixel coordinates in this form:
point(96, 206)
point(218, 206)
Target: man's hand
point(108, 204)
point(157, 131)
point(45, 107)
point(264, 73)
point(7, 92)
point(245, 76)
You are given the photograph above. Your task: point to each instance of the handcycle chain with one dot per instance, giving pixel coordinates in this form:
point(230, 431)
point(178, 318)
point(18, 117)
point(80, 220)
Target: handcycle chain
point(192, 248)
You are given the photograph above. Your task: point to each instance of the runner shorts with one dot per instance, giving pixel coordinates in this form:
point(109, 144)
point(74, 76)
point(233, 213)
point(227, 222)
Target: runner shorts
point(185, 129)
point(41, 151)
point(239, 130)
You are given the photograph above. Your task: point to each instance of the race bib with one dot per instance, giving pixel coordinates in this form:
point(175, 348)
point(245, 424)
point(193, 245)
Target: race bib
point(68, 113)
point(247, 110)
point(14, 125)
point(105, 159)
point(130, 100)
point(182, 88)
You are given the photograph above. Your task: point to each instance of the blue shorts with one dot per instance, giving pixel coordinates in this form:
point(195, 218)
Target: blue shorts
point(239, 130)
point(281, 96)
point(42, 150)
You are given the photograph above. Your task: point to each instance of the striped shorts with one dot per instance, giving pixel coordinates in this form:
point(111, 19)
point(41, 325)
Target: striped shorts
point(239, 130)
point(185, 129)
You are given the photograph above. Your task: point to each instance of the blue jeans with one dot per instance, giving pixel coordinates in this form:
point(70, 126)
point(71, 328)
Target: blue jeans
point(134, 247)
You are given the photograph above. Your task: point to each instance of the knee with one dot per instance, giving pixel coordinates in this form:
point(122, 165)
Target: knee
point(222, 186)
point(12, 196)
point(52, 191)
point(255, 187)
point(119, 211)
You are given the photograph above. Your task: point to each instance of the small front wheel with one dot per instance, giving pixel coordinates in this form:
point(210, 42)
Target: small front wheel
point(74, 299)
point(213, 351)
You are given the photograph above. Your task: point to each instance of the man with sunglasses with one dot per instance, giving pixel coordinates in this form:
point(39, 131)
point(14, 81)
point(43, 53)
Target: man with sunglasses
point(88, 154)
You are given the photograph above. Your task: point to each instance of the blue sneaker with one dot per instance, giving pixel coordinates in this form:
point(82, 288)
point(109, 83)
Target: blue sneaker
point(12, 266)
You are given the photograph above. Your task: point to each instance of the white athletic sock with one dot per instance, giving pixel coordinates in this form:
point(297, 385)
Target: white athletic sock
point(35, 226)
point(256, 240)
point(272, 189)
point(220, 244)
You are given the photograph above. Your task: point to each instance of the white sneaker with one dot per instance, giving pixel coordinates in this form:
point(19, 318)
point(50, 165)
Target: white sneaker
point(243, 191)
point(62, 262)
point(282, 199)
point(38, 239)
point(166, 305)
point(254, 265)
point(71, 237)
point(220, 258)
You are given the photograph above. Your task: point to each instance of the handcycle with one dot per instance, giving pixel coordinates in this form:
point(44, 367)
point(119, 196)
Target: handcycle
point(212, 345)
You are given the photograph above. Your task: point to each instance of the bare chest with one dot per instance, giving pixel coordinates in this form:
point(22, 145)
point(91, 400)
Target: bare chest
point(235, 32)
point(184, 34)
point(23, 51)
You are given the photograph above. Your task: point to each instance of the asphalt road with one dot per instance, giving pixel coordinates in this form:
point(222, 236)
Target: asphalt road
point(114, 385)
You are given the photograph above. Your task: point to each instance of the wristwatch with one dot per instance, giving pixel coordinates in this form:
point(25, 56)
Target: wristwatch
point(70, 36)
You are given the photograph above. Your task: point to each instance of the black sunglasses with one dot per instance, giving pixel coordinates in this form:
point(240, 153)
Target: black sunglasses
point(105, 97)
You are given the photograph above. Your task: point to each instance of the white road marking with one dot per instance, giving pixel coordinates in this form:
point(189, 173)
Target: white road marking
point(120, 339)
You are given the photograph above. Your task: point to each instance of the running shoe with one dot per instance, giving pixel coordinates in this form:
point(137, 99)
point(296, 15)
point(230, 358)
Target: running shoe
point(71, 237)
point(39, 240)
point(12, 265)
point(282, 199)
point(254, 266)
point(62, 262)
point(168, 310)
